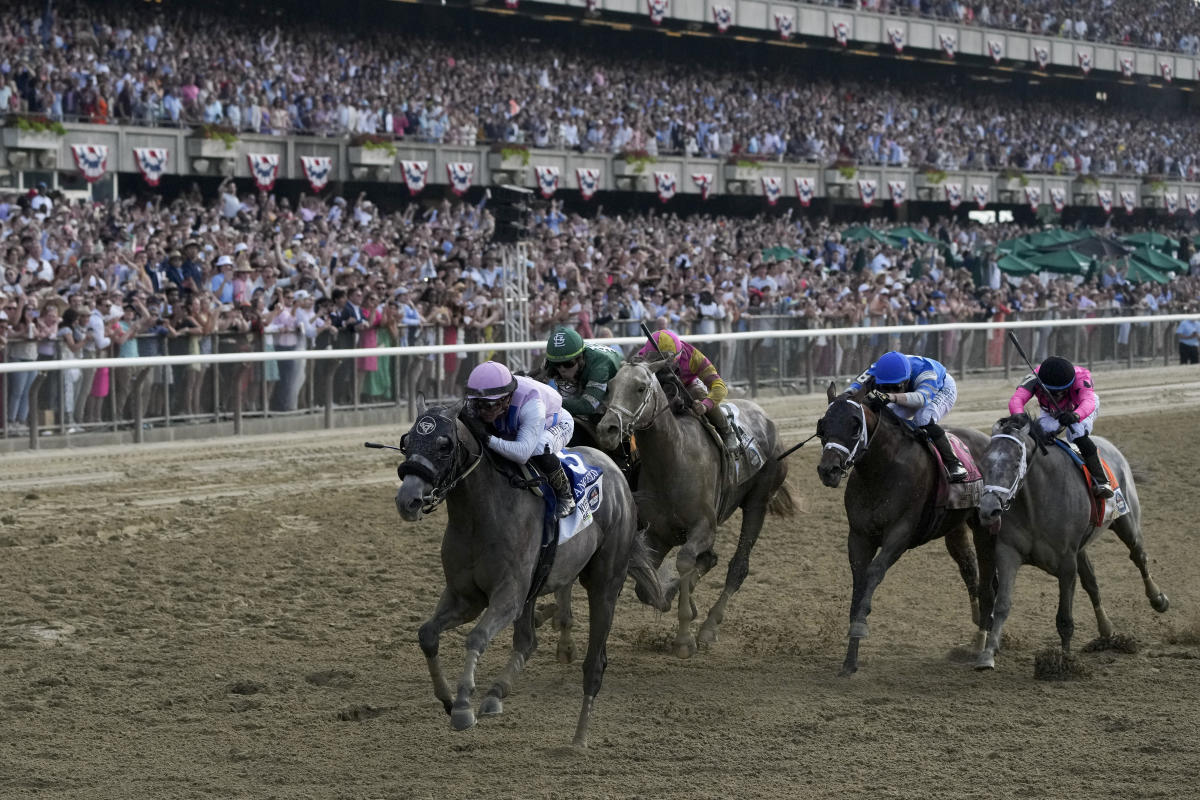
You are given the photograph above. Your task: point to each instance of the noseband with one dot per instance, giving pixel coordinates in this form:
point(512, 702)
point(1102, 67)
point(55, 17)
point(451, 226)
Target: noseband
point(1006, 493)
point(860, 444)
point(627, 420)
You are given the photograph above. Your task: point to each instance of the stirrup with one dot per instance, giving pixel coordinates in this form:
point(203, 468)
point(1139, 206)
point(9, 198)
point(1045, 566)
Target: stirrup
point(564, 508)
point(1102, 489)
point(958, 474)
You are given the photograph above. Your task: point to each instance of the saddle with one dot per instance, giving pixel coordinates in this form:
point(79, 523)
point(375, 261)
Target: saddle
point(1103, 512)
point(965, 494)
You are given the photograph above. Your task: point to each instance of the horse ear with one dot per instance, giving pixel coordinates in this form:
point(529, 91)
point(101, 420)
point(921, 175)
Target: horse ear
point(421, 404)
point(831, 392)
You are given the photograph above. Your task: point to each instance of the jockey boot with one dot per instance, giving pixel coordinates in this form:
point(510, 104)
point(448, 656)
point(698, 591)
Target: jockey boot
point(557, 478)
point(719, 421)
point(1091, 459)
point(956, 472)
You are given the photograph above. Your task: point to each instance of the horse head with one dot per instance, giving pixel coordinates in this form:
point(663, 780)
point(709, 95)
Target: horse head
point(635, 399)
point(844, 432)
point(1004, 464)
point(433, 453)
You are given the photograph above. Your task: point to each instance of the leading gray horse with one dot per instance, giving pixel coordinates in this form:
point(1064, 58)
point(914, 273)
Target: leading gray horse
point(1039, 506)
point(682, 493)
point(490, 549)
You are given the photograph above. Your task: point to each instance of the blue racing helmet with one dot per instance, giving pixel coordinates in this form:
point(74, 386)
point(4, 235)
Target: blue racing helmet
point(892, 369)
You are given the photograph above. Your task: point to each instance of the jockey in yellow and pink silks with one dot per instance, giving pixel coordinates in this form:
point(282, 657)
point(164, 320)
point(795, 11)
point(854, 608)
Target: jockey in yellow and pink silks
point(700, 377)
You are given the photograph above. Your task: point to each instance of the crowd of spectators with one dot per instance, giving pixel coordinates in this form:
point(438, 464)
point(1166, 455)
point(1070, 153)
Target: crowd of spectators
point(143, 64)
point(241, 272)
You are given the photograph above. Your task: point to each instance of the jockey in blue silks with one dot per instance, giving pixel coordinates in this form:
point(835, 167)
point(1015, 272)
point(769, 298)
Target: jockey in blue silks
point(920, 391)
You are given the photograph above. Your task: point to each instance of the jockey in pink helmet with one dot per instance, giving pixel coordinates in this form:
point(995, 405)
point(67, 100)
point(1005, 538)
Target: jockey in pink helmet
point(522, 420)
point(705, 386)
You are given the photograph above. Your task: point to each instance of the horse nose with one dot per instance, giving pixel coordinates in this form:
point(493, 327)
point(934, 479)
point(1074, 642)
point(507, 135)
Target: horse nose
point(409, 504)
point(607, 433)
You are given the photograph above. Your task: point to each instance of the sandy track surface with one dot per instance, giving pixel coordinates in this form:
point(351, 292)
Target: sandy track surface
point(237, 618)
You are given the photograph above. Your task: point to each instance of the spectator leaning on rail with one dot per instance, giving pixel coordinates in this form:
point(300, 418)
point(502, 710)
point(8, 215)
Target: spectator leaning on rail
point(920, 391)
point(580, 373)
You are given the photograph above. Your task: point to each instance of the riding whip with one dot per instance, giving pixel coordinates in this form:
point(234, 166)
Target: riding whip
point(795, 447)
point(1013, 338)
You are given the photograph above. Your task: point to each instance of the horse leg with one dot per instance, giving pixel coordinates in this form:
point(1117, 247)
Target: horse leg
point(564, 620)
point(861, 552)
point(1064, 620)
point(499, 613)
point(524, 643)
point(602, 600)
point(689, 575)
point(753, 514)
point(985, 545)
point(1087, 576)
point(959, 546)
point(704, 562)
point(1007, 561)
point(1129, 532)
point(452, 610)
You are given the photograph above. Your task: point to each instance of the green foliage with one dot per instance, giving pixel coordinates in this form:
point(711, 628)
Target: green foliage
point(515, 151)
point(935, 175)
point(638, 160)
point(847, 172)
point(40, 125)
point(223, 133)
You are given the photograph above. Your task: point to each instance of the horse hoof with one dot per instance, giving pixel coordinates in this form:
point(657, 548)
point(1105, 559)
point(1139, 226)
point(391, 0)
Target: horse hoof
point(708, 635)
point(685, 649)
point(985, 662)
point(566, 652)
point(858, 630)
point(847, 670)
point(491, 706)
point(462, 719)
point(1160, 603)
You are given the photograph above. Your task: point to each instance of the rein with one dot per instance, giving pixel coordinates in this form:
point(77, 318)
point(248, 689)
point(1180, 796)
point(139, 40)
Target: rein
point(1006, 493)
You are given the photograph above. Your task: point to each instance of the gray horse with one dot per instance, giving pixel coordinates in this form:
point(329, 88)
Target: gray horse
point(681, 494)
point(1039, 506)
point(489, 552)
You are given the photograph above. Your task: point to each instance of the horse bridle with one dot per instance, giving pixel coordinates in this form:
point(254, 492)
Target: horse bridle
point(627, 419)
point(420, 465)
point(1006, 493)
point(862, 442)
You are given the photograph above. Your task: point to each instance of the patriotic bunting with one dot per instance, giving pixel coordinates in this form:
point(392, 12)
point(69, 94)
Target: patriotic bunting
point(772, 188)
point(841, 33)
point(953, 194)
point(588, 180)
point(981, 192)
point(949, 43)
point(1058, 197)
point(593, 6)
point(805, 191)
point(511, 4)
point(899, 190)
point(866, 191)
point(547, 178)
point(1042, 55)
point(664, 184)
point(151, 162)
point(1127, 66)
point(1167, 70)
point(723, 16)
point(896, 37)
point(264, 167)
point(1085, 61)
point(704, 181)
point(316, 169)
point(1192, 200)
point(91, 159)
point(783, 24)
point(1171, 202)
point(1105, 199)
point(658, 10)
point(1034, 195)
point(414, 175)
point(1128, 200)
point(459, 173)
point(996, 49)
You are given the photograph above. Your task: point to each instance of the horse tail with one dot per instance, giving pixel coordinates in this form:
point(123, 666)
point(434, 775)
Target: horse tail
point(641, 568)
point(782, 503)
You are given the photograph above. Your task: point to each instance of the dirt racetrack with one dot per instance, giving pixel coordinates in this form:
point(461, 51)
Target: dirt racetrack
point(237, 619)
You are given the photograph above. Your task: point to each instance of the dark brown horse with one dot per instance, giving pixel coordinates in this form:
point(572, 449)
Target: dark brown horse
point(890, 503)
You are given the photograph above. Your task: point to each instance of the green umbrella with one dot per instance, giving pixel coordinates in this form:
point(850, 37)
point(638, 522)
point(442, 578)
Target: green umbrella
point(909, 232)
point(861, 233)
point(1140, 273)
point(1051, 237)
point(1015, 265)
point(1153, 239)
point(1014, 246)
point(1068, 262)
point(1159, 260)
point(778, 253)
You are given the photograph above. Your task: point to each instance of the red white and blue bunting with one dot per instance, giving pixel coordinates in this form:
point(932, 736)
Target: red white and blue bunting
point(547, 178)
point(91, 159)
point(996, 49)
point(1042, 56)
point(784, 24)
point(658, 10)
point(1192, 201)
point(899, 190)
point(805, 191)
point(1085, 60)
point(588, 179)
point(460, 173)
point(1104, 197)
point(1128, 200)
point(263, 167)
point(949, 43)
point(896, 37)
point(415, 173)
point(1171, 202)
point(704, 180)
point(772, 188)
point(723, 16)
point(1127, 66)
point(1167, 71)
point(1058, 198)
point(841, 33)
point(665, 184)
point(867, 189)
point(981, 192)
point(317, 169)
point(151, 162)
point(1034, 195)
point(953, 194)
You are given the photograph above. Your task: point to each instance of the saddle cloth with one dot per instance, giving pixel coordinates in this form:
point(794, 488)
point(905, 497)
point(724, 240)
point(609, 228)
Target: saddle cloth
point(587, 484)
point(965, 494)
point(750, 457)
point(1103, 512)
